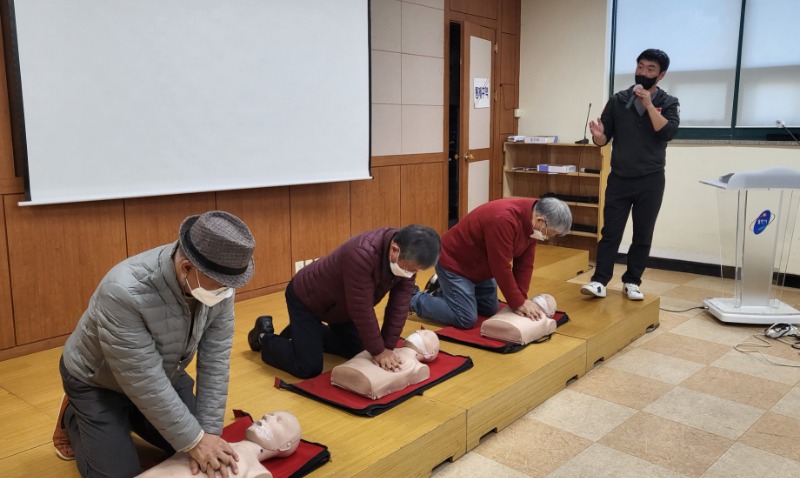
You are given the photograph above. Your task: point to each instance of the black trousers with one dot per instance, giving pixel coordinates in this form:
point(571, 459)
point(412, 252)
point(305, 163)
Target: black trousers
point(642, 198)
point(99, 422)
point(299, 348)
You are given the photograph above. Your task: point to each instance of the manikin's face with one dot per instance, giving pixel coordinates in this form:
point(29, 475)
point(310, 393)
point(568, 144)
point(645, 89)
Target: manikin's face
point(276, 432)
point(547, 302)
point(425, 343)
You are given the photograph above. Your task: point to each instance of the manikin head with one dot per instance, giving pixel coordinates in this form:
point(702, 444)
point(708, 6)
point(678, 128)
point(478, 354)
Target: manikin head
point(277, 433)
point(547, 303)
point(425, 343)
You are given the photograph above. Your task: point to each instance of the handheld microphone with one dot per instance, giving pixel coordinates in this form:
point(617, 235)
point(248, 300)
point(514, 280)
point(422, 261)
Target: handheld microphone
point(633, 96)
point(585, 140)
point(781, 124)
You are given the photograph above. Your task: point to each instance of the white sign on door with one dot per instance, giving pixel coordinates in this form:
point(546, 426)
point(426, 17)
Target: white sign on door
point(481, 92)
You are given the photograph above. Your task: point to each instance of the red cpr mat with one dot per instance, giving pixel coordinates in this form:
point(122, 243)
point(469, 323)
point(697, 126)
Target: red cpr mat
point(320, 388)
point(473, 337)
point(308, 457)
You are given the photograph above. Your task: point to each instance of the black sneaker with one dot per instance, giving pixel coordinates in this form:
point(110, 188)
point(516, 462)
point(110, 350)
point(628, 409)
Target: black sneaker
point(432, 287)
point(262, 327)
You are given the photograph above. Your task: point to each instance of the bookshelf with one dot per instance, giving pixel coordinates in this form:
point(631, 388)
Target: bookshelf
point(583, 191)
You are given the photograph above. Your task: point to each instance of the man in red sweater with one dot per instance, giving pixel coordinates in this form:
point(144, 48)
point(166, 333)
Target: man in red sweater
point(492, 246)
point(331, 301)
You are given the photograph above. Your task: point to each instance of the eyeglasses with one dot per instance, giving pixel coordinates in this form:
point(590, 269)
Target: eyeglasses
point(544, 231)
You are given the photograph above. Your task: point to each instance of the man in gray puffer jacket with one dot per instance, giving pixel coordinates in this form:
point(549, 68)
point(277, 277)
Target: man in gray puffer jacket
point(123, 366)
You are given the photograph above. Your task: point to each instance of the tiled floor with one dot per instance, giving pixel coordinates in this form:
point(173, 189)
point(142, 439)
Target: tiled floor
point(678, 402)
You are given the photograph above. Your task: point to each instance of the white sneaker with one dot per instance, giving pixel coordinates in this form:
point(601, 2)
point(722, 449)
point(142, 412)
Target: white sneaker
point(594, 288)
point(633, 292)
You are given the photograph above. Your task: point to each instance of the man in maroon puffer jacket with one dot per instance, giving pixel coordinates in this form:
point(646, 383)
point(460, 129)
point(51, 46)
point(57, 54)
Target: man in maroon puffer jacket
point(331, 301)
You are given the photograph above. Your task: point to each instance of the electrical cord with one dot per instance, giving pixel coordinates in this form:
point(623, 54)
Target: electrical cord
point(703, 307)
point(764, 345)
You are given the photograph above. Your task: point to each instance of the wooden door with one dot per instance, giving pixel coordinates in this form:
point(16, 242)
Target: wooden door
point(475, 124)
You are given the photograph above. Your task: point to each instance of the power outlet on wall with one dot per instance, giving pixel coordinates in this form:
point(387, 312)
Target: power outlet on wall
point(298, 265)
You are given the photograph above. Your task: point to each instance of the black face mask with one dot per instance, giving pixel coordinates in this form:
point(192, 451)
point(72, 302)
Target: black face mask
point(646, 82)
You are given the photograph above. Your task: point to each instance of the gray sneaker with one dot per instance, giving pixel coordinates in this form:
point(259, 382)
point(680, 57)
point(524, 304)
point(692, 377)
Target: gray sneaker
point(595, 289)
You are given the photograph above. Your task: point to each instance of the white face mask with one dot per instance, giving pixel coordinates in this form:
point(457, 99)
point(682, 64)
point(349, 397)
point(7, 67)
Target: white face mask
point(209, 298)
point(399, 271)
point(537, 234)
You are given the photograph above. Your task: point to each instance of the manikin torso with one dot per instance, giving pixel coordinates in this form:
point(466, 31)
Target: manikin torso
point(274, 434)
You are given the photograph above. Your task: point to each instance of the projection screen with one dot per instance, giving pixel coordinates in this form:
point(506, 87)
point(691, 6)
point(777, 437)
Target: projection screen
point(130, 98)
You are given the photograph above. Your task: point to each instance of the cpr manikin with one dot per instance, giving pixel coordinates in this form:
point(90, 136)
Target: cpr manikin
point(510, 327)
point(276, 434)
point(364, 377)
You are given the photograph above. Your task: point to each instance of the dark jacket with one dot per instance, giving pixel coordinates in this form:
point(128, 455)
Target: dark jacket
point(493, 241)
point(346, 285)
point(639, 150)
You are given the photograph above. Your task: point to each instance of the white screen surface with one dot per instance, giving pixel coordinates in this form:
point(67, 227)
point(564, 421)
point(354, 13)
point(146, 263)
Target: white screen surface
point(130, 98)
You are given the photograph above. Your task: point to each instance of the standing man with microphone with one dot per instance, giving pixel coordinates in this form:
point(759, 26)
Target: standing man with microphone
point(641, 121)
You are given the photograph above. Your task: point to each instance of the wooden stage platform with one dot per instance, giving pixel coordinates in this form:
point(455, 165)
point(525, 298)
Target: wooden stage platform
point(411, 439)
point(450, 418)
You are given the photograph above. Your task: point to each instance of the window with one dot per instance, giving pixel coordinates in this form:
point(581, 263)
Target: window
point(735, 64)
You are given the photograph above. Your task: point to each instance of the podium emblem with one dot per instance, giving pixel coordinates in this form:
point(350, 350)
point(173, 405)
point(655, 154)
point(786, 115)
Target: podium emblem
point(762, 221)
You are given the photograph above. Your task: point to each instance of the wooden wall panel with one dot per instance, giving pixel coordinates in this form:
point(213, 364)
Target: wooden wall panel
point(57, 255)
point(6, 154)
point(479, 8)
point(508, 101)
point(320, 219)
point(422, 200)
point(6, 311)
point(266, 213)
point(375, 202)
point(509, 81)
point(154, 221)
point(511, 11)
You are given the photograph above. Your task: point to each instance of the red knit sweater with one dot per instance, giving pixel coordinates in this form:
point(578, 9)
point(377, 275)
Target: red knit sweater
point(494, 241)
